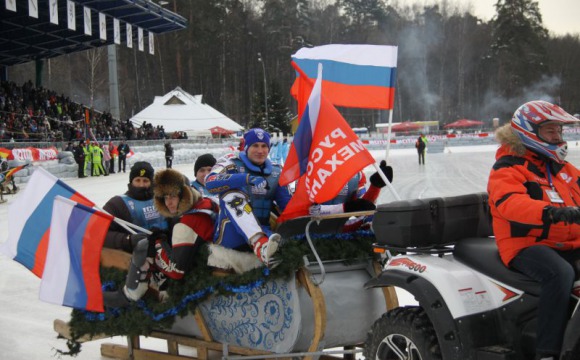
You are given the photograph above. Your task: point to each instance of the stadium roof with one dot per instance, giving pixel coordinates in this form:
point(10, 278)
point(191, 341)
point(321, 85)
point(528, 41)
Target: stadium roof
point(25, 38)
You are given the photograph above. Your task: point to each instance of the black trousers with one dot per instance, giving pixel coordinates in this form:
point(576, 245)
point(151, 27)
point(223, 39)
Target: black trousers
point(122, 160)
point(555, 271)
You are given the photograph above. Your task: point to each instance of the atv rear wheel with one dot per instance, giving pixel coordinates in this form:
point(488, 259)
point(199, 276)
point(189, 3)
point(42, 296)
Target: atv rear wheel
point(402, 334)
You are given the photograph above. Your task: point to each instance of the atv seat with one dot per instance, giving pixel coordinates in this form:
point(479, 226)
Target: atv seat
point(481, 254)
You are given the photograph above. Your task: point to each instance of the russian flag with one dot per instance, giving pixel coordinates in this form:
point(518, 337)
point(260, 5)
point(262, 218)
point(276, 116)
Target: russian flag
point(325, 154)
point(361, 76)
point(29, 219)
point(71, 275)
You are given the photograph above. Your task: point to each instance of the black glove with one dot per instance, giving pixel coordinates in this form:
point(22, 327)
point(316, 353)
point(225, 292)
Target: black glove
point(135, 238)
point(376, 178)
point(156, 235)
point(358, 205)
point(569, 214)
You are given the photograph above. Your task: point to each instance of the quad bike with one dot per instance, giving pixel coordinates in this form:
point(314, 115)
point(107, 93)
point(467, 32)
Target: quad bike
point(470, 306)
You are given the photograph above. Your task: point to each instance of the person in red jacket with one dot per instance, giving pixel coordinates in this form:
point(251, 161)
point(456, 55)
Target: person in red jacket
point(534, 196)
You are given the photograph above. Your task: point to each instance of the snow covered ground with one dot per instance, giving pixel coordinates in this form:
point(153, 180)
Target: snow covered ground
point(26, 322)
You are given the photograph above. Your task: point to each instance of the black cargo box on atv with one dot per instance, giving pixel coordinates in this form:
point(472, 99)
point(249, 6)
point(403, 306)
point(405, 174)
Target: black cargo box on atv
point(433, 221)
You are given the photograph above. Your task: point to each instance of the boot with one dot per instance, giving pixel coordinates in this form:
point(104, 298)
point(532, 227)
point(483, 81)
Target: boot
point(265, 248)
point(136, 283)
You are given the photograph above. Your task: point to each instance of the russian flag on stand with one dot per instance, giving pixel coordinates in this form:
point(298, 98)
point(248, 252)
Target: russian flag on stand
point(361, 76)
point(29, 219)
point(71, 274)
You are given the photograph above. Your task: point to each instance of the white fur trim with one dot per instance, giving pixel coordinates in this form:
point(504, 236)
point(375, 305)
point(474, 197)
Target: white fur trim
point(239, 261)
point(183, 234)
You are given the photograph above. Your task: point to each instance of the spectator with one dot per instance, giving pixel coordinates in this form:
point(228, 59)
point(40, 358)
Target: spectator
point(168, 155)
point(123, 149)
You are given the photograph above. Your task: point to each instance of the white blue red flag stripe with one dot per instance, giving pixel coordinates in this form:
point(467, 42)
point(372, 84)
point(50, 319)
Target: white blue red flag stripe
point(361, 76)
point(71, 275)
point(29, 219)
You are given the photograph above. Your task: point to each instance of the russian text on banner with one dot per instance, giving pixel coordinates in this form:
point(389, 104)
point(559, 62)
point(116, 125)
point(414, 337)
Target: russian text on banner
point(71, 275)
point(29, 219)
point(325, 152)
point(361, 76)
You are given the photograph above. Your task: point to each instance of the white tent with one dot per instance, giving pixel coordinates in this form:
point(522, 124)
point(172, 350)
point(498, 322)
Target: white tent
point(180, 111)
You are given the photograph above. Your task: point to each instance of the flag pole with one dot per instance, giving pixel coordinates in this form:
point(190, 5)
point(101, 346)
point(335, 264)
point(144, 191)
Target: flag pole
point(387, 182)
point(389, 135)
point(130, 227)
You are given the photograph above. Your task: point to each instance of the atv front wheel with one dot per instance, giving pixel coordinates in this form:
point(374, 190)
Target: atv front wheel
point(404, 333)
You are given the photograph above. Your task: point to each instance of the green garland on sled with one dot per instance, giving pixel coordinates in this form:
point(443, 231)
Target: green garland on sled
point(141, 318)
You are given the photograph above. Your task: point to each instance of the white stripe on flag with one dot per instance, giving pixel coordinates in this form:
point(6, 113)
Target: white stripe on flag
point(57, 268)
point(24, 205)
point(375, 55)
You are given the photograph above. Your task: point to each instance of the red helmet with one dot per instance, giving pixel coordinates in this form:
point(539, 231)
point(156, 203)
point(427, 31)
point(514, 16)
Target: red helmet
point(526, 124)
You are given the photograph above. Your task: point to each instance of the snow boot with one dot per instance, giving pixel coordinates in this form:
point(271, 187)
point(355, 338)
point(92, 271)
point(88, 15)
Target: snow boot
point(265, 248)
point(136, 283)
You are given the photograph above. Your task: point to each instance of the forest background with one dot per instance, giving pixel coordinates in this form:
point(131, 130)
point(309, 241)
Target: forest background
point(451, 64)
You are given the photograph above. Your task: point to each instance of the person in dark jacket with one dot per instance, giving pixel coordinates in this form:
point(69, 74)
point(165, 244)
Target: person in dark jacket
point(168, 155)
point(79, 154)
point(135, 206)
point(421, 145)
point(123, 149)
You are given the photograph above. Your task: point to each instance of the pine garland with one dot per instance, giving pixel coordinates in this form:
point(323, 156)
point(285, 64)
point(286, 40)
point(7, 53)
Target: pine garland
point(143, 317)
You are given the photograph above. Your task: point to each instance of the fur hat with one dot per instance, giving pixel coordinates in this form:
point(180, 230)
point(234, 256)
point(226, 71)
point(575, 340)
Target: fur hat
point(172, 182)
point(203, 161)
point(142, 169)
point(256, 135)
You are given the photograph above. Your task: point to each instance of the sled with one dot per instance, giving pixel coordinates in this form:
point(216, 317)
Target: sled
point(299, 316)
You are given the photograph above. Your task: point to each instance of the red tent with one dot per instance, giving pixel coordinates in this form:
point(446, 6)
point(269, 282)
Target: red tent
point(405, 126)
point(463, 123)
point(220, 131)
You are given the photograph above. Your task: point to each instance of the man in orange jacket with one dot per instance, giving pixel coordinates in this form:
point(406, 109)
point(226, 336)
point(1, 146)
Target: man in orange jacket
point(534, 197)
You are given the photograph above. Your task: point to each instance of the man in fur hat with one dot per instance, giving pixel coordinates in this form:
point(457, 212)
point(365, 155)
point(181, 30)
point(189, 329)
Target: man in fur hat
point(195, 215)
point(248, 189)
point(135, 206)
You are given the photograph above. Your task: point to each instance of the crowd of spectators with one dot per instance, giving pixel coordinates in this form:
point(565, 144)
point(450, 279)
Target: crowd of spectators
point(29, 113)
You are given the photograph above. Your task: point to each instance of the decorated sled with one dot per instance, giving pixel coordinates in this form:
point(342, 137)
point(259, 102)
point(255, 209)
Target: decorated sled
point(321, 305)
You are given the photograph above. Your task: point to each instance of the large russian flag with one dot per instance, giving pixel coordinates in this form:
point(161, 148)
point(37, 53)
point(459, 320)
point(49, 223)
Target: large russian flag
point(29, 219)
point(361, 76)
point(71, 274)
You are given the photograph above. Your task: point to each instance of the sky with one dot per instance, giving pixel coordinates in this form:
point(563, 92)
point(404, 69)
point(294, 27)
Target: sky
point(560, 17)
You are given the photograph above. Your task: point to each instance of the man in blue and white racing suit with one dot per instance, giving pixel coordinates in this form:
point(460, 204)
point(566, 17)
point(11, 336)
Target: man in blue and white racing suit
point(248, 190)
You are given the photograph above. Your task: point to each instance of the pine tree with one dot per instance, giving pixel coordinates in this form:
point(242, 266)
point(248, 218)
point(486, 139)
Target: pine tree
point(518, 50)
point(279, 115)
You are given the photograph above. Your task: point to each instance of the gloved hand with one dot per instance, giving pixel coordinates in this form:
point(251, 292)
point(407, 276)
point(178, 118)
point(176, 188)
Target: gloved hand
point(376, 178)
point(358, 205)
point(156, 235)
point(257, 182)
point(568, 215)
point(135, 238)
